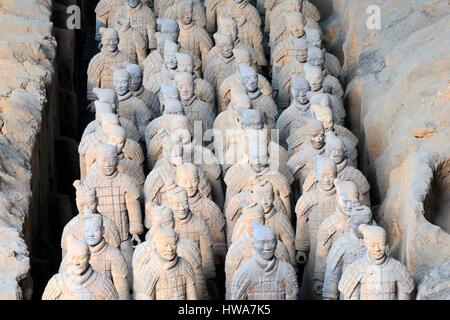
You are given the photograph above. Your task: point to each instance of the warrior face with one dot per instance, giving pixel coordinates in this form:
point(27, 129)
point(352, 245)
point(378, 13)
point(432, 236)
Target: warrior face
point(335, 149)
point(230, 30)
point(324, 115)
point(226, 48)
point(93, 229)
point(166, 246)
point(170, 60)
point(78, 258)
point(360, 215)
point(185, 14)
point(133, 3)
point(179, 204)
point(176, 155)
point(110, 40)
point(295, 29)
point(325, 174)
point(187, 178)
point(107, 162)
point(315, 81)
point(347, 198)
point(121, 81)
point(317, 138)
point(265, 244)
point(258, 160)
point(250, 80)
point(264, 196)
point(135, 82)
point(86, 199)
point(316, 57)
point(186, 65)
point(186, 88)
point(300, 89)
point(376, 246)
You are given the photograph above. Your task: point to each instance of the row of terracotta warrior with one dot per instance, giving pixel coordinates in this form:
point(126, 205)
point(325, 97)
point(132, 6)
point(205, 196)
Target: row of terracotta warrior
point(229, 155)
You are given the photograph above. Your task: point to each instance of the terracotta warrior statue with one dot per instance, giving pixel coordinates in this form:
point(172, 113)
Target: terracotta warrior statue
point(241, 250)
point(167, 72)
point(260, 102)
point(228, 26)
point(263, 194)
point(312, 209)
point(321, 110)
point(336, 151)
point(333, 227)
point(198, 12)
point(138, 90)
point(241, 176)
point(99, 73)
point(86, 201)
point(130, 107)
point(239, 8)
point(278, 25)
point(79, 281)
point(197, 111)
point(304, 6)
point(242, 57)
point(186, 249)
point(194, 228)
point(283, 52)
point(166, 276)
point(263, 276)
point(113, 187)
point(376, 276)
point(345, 250)
point(251, 35)
point(131, 41)
point(294, 116)
point(188, 179)
point(141, 18)
point(223, 64)
point(193, 38)
point(203, 89)
point(105, 11)
point(104, 258)
point(331, 63)
point(155, 60)
point(316, 57)
point(295, 66)
point(301, 162)
point(163, 176)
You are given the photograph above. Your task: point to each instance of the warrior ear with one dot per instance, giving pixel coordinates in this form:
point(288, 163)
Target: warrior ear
point(77, 184)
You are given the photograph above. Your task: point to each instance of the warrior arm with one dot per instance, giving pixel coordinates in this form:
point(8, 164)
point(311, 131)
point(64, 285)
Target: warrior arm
point(240, 284)
point(52, 290)
point(209, 268)
point(290, 283)
point(191, 289)
point(119, 273)
point(134, 211)
point(333, 273)
point(324, 242)
point(302, 232)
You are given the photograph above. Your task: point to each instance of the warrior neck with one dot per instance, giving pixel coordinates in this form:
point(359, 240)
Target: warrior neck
point(124, 97)
point(255, 94)
point(139, 92)
point(265, 265)
point(377, 262)
point(99, 247)
point(303, 108)
point(341, 166)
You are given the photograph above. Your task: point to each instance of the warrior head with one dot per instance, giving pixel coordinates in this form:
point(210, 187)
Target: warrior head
point(106, 158)
point(77, 256)
point(135, 72)
point(185, 63)
point(313, 37)
point(228, 26)
point(249, 77)
point(265, 241)
point(375, 240)
point(160, 215)
point(188, 178)
point(295, 22)
point(169, 92)
point(258, 157)
point(169, 27)
point(263, 194)
point(177, 200)
point(251, 213)
point(179, 126)
point(335, 149)
point(121, 81)
point(225, 44)
point(299, 89)
point(242, 56)
point(107, 120)
point(325, 172)
point(110, 39)
point(165, 241)
point(170, 59)
point(116, 136)
point(100, 109)
point(346, 196)
point(185, 85)
point(239, 97)
point(316, 57)
point(93, 229)
point(107, 96)
point(316, 133)
point(314, 75)
point(133, 3)
point(185, 12)
point(251, 119)
point(300, 47)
